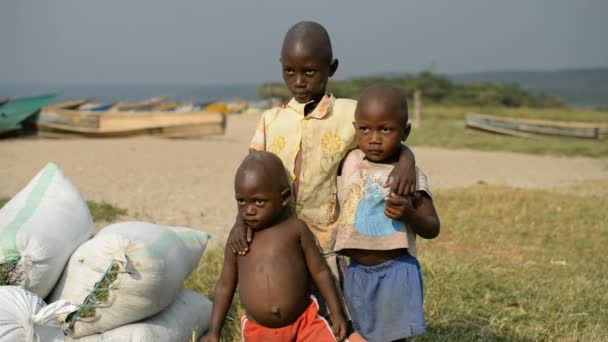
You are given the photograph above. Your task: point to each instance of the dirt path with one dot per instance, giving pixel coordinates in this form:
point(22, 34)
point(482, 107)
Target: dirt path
point(189, 183)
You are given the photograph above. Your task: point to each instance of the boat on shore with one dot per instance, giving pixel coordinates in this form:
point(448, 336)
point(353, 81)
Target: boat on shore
point(14, 113)
point(527, 128)
point(72, 120)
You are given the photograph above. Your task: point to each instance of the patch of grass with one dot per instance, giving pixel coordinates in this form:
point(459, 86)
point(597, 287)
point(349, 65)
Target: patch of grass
point(105, 212)
point(517, 265)
point(100, 211)
point(509, 264)
point(444, 127)
point(203, 280)
point(559, 114)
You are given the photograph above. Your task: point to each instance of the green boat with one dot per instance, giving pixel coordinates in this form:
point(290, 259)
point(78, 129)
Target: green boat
point(15, 111)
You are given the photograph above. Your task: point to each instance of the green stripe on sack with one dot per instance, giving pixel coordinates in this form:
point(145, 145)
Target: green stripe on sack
point(8, 235)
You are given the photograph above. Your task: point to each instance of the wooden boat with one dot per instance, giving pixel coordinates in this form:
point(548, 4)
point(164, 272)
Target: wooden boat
point(65, 120)
point(14, 112)
point(142, 105)
point(527, 128)
point(95, 107)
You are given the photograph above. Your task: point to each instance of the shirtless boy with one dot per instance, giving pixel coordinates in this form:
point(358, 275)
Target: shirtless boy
point(273, 278)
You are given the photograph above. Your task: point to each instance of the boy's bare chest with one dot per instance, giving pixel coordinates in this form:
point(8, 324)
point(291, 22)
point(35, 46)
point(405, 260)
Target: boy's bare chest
point(269, 246)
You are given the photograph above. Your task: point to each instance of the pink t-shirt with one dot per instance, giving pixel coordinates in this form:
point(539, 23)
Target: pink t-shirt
point(362, 223)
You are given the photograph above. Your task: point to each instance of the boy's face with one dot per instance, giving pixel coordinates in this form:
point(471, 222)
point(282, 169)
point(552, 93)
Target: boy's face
point(259, 201)
point(380, 131)
point(306, 71)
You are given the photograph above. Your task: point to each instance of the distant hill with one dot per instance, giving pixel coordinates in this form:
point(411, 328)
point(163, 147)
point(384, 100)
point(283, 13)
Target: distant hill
point(576, 87)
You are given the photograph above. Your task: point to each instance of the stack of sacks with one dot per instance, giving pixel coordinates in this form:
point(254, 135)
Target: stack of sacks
point(125, 284)
point(128, 272)
point(40, 227)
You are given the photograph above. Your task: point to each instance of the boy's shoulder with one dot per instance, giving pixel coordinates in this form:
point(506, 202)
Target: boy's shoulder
point(292, 226)
point(271, 112)
point(345, 101)
point(343, 105)
point(294, 223)
point(351, 161)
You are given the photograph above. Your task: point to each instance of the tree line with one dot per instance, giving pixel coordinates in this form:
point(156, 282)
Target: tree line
point(436, 89)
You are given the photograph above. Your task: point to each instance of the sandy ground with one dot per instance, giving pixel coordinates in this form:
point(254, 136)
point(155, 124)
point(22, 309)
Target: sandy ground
point(190, 182)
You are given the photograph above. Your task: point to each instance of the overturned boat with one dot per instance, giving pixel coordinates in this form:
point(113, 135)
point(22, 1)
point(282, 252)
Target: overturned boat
point(527, 128)
point(15, 112)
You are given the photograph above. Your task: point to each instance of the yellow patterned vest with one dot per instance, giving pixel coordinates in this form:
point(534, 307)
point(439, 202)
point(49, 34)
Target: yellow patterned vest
point(325, 136)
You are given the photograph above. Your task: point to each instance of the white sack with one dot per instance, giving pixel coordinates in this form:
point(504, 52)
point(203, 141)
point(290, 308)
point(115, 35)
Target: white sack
point(25, 317)
point(40, 227)
point(190, 312)
point(149, 265)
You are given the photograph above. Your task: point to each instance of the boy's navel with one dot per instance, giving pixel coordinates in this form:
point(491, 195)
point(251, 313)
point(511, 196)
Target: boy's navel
point(275, 310)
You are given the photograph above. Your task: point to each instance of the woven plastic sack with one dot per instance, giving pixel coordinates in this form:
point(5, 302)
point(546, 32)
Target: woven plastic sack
point(127, 272)
point(189, 315)
point(25, 317)
point(40, 227)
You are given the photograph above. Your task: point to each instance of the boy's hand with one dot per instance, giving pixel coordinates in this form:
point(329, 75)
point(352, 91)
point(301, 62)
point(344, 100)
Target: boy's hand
point(210, 338)
point(402, 180)
point(400, 208)
point(339, 327)
point(240, 237)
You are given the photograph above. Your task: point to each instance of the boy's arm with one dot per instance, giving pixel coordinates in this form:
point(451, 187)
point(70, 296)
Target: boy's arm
point(224, 291)
point(402, 179)
point(417, 211)
point(322, 278)
point(240, 237)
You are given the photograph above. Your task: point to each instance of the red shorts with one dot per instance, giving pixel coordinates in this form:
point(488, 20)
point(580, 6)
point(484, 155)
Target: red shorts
point(309, 327)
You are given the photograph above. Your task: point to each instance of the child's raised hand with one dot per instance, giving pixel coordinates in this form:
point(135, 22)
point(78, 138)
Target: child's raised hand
point(399, 207)
point(339, 327)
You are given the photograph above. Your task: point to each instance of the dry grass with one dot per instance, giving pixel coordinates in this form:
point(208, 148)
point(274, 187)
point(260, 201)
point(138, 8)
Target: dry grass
point(509, 265)
point(517, 265)
point(444, 127)
point(561, 114)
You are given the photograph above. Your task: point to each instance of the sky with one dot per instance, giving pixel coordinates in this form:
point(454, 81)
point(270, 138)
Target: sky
point(227, 42)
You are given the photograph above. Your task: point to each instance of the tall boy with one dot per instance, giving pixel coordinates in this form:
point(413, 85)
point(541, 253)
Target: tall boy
point(311, 135)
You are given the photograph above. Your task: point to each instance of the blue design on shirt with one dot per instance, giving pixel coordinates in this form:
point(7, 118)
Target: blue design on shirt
point(370, 218)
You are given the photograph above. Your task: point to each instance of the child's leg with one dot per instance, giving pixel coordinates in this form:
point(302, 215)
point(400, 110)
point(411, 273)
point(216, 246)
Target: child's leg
point(336, 264)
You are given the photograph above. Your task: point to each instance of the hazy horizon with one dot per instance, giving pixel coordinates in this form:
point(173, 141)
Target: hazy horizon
point(256, 83)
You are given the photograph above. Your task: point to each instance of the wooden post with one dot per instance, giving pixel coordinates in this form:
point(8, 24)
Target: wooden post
point(417, 108)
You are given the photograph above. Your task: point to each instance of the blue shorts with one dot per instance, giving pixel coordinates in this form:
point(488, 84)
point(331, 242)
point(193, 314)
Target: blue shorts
point(385, 301)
